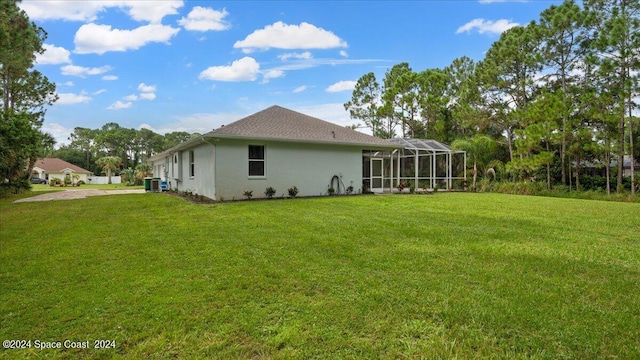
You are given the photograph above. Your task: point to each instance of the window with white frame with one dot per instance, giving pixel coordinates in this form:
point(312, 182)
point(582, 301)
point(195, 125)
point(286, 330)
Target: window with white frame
point(192, 165)
point(256, 160)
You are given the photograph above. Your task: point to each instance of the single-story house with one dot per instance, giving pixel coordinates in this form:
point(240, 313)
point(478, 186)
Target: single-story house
point(49, 168)
point(279, 148)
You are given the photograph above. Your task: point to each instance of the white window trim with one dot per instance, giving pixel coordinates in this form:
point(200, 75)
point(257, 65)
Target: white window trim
point(264, 161)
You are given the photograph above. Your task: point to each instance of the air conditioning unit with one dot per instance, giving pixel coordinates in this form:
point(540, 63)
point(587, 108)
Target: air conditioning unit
point(155, 185)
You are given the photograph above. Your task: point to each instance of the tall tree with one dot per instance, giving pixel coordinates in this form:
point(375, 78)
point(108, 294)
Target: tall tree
point(616, 42)
point(177, 137)
point(434, 102)
point(507, 78)
point(24, 91)
point(465, 100)
point(84, 139)
point(365, 105)
point(401, 99)
point(563, 48)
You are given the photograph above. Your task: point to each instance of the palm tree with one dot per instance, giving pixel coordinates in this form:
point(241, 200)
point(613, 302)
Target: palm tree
point(74, 179)
point(479, 148)
point(143, 170)
point(108, 163)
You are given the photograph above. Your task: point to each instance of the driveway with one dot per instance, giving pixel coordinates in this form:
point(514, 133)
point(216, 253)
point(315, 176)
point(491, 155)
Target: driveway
point(77, 194)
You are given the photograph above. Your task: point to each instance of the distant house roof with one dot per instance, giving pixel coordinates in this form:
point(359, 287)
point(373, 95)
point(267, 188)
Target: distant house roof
point(280, 124)
point(55, 165)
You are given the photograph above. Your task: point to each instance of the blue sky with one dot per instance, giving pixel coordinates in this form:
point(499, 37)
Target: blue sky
point(196, 65)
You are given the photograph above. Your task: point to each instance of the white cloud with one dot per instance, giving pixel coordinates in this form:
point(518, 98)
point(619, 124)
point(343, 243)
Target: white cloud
point(300, 89)
point(68, 83)
point(132, 97)
point(332, 112)
point(205, 19)
point(344, 53)
point(70, 99)
point(110, 77)
point(146, 88)
point(310, 63)
point(283, 36)
point(59, 132)
point(100, 91)
point(150, 11)
point(487, 26)
point(81, 71)
point(305, 55)
point(342, 86)
point(53, 55)
point(245, 69)
point(272, 74)
point(147, 96)
point(99, 39)
point(63, 10)
point(198, 122)
point(118, 105)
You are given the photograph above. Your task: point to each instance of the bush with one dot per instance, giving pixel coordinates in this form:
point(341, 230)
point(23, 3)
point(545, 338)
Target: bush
point(293, 191)
point(248, 194)
point(14, 187)
point(519, 188)
point(269, 192)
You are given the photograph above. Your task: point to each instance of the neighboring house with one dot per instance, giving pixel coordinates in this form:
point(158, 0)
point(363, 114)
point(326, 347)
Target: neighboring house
point(626, 165)
point(275, 147)
point(48, 168)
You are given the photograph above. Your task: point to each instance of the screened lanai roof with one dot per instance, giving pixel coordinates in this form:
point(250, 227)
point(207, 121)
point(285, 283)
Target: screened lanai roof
point(423, 144)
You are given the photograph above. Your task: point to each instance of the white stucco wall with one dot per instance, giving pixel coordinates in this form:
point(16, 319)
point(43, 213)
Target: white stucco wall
point(61, 175)
point(309, 167)
point(203, 181)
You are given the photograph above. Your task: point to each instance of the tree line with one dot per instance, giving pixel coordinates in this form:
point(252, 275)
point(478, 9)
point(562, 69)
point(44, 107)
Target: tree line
point(556, 96)
point(129, 147)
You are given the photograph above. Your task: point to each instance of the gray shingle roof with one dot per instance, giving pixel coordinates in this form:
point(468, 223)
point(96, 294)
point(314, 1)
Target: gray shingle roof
point(278, 123)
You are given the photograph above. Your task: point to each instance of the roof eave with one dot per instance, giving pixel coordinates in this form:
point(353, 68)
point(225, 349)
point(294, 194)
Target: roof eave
point(321, 142)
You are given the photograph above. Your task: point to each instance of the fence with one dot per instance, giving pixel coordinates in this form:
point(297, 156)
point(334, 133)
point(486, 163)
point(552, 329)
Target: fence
point(101, 180)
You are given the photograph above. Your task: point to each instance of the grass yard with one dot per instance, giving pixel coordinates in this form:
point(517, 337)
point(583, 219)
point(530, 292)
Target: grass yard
point(443, 276)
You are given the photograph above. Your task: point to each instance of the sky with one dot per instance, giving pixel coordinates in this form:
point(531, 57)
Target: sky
point(193, 66)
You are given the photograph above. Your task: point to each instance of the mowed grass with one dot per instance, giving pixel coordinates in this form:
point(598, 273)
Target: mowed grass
point(442, 276)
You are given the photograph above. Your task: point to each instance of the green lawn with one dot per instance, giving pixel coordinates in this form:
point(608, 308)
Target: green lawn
point(443, 276)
